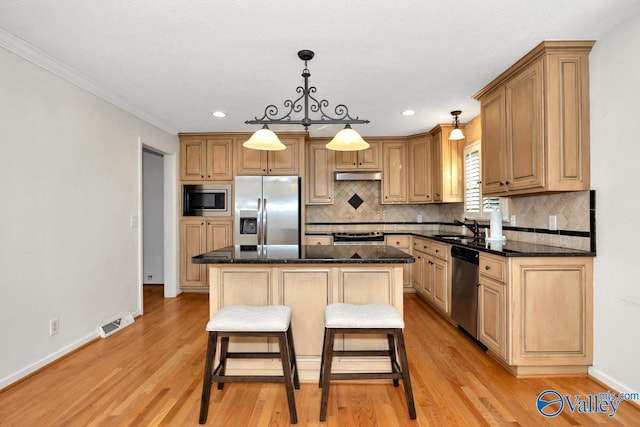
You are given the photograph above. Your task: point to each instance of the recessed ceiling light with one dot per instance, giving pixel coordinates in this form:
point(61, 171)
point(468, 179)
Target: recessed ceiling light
point(219, 114)
point(408, 113)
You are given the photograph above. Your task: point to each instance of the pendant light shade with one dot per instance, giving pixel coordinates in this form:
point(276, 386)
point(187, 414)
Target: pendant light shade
point(264, 139)
point(456, 133)
point(347, 140)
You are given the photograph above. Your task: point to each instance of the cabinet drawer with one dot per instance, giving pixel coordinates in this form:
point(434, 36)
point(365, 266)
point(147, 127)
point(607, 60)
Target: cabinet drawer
point(400, 242)
point(421, 245)
point(493, 267)
point(440, 250)
point(318, 240)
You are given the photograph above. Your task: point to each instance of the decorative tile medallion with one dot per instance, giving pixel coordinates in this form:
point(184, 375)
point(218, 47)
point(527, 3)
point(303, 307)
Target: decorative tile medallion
point(355, 201)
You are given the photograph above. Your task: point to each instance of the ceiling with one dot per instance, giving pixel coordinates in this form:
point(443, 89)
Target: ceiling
point(176, 61)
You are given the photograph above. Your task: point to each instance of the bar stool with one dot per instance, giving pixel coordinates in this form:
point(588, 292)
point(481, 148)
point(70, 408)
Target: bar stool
point(249, 321)
point(365, 319)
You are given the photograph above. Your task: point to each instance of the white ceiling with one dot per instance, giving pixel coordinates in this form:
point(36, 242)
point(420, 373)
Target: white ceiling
point(179, 60)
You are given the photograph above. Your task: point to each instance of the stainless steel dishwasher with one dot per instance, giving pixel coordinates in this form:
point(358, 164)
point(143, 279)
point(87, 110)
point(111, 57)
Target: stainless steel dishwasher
point(464, 288)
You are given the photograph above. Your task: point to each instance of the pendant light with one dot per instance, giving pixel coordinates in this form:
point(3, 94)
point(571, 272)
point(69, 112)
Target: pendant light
point(456, 133)
point(345, 140)
point(264, 139)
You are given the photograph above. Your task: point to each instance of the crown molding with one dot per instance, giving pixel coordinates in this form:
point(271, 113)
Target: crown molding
point(41, 59)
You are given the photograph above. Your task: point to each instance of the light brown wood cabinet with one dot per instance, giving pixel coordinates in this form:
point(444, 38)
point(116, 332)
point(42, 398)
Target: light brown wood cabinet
point(436, 167)
point(320, 173)
point(447, 166)
point(369, 159)
point(420, 169)
point(206, 158)
point(261, 162)
point(402, 242)
point(394, 172)
point(536, 314)
point(535, 122)
point(431, 277)
point(198, 236)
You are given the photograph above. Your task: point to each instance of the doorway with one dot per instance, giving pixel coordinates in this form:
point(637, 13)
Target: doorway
point(157, 258)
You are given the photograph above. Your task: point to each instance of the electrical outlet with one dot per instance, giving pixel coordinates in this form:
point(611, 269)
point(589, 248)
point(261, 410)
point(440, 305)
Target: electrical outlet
point(54, 327)
point(419, 219)
point(513, 221)
point(553, 222)
point(149, 276)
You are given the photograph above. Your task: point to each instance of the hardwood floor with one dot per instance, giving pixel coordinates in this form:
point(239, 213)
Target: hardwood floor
point(150, 374)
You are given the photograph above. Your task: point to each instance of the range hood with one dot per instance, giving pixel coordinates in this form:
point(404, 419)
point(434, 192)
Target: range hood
point(359, 176)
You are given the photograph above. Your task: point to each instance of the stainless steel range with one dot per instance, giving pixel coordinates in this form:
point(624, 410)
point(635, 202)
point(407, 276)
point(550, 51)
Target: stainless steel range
point(370, 238)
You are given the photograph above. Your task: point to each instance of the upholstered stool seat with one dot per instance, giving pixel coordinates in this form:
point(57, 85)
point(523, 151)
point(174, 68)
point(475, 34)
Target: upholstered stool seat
point(365, 319)
point(250, 321)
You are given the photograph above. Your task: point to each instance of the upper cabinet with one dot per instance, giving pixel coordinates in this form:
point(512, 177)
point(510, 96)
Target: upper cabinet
point(394, 172)
point(206, 158)
point(368, 159)
point(260, 162)
point(436, 167)
point(420, 179)
point(320, 173)
point(535, 122)
point(447, 163)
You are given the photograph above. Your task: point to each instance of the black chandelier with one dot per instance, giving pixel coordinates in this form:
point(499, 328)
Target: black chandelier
point(346, 140)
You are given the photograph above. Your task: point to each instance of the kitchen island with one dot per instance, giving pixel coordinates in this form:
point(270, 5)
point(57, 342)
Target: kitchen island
point(306, 278)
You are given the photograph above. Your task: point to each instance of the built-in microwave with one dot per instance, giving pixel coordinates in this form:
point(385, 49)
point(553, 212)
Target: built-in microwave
point(206, 200)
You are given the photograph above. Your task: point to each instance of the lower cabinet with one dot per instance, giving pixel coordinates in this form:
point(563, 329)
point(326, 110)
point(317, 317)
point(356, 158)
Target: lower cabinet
point(402, 242)
point(536, 314)
point(198, 236)
point(433, 283)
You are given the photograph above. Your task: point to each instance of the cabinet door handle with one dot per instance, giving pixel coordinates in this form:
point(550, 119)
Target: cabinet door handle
point(398, 243)
point(501, 183)
point(437, 251)
point(507, 183)
point(486, 267)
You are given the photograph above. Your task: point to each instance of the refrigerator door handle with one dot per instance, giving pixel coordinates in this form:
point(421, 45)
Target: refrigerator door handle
point(259, 221)
point(264, 219)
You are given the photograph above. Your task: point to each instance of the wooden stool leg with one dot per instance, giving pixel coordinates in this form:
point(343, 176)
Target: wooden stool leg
point(392, 357)
point(224, 349)
point(288, 380)
point(208, 373)
point(326, 371)
point(293, 362)
point(324, 340)
point(406, 379)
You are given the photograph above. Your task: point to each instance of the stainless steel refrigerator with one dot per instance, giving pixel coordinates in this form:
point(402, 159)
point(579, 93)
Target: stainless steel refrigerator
point(267, 210)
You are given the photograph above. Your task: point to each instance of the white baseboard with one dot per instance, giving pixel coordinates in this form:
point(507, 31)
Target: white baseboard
point(610, 382)
point(6, 381)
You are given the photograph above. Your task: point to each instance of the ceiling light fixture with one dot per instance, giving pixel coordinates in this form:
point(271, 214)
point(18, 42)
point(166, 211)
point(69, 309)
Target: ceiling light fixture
point(408, 113)
point(264, 139)
point(345, 140)
point(219, 114)
point(456, 133)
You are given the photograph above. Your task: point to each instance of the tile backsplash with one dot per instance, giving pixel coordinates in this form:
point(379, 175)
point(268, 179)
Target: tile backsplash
point(571, 209)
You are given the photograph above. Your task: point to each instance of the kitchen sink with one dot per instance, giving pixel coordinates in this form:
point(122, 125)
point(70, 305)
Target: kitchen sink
point(451, 236)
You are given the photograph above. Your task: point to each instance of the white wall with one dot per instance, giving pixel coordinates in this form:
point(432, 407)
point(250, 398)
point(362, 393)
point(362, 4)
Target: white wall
point(615, 156)
point(69, 183)
point(152, 213)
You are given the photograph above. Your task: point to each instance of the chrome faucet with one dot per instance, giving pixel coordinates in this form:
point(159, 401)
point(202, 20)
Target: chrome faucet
point(474, 227)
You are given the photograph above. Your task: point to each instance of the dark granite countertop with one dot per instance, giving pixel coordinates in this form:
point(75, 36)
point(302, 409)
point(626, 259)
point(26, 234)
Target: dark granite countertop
point(509, 248)
point(303, 254)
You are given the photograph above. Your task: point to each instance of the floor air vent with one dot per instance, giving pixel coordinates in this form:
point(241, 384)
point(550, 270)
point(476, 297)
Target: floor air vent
point(111, 328)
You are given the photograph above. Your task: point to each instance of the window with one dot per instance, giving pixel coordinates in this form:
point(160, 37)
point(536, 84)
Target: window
point(476, 206)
